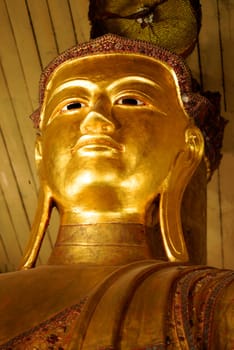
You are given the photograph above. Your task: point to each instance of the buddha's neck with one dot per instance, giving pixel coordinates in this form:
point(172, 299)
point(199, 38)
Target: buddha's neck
point(101, 244)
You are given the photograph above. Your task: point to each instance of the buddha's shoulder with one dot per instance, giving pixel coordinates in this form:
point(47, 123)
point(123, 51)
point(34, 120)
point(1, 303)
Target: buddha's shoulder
point(145, 289)
point(29, 297)
point(44, 295)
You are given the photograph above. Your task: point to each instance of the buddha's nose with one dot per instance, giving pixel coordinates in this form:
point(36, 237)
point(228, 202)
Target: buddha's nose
point(96, 123)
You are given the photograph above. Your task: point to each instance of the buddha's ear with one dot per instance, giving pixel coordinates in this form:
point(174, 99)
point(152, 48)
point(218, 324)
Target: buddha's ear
point(42, 216)
point(38, 229)
point(183, 168)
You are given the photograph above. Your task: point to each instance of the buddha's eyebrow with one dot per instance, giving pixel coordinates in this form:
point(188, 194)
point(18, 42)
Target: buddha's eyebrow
point(82, 83)
point(134, 79)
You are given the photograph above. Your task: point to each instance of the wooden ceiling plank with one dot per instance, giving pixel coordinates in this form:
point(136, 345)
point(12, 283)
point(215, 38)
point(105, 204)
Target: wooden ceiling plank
point(10, 254)
point(227, 200)
point(226, 20)
point(15, 108)
point(217, 57)
point(15, 203)
point(209, 46)
point(26, 46)
point(211, 79)
point(4, 254)
point(16, 150)
point(23, 180)
point(16, 84)
point(25, 193)
point(226, 171)
point(43, 28)
point(13, 195)
point(10, 240)
point(80, 18)
point(4, 258)
point(62, 23)
point(214, 239)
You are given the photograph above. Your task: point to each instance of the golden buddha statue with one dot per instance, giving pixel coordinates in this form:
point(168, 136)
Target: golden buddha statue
point(116, 148)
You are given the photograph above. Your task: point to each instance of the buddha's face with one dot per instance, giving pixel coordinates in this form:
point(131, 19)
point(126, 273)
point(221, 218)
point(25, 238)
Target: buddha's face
point(112, 127)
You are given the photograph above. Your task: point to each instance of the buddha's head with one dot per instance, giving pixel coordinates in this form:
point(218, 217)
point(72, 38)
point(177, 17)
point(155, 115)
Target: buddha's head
point(115, 135)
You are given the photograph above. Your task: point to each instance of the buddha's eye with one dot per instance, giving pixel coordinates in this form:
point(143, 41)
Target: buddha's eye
point(130, 101)
point(73, 105)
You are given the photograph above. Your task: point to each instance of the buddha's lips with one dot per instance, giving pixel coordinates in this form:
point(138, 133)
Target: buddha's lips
point(97, 140)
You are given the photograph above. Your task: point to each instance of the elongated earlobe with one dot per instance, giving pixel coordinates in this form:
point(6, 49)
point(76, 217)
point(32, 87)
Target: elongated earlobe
point(38, 229)
point(185, 164)
point(41, 218)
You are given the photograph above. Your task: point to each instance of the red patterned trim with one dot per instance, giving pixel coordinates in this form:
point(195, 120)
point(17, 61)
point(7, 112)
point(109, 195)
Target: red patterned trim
point(53, 334)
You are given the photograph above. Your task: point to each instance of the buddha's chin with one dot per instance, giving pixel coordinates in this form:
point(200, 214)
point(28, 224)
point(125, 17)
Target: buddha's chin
point(91, 179)
point(95, 203)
